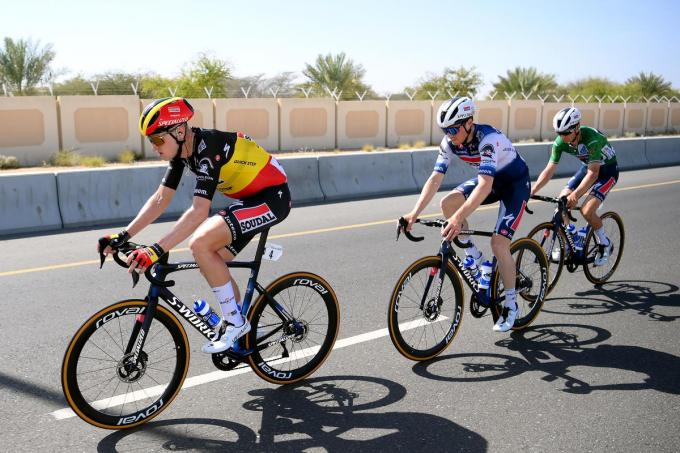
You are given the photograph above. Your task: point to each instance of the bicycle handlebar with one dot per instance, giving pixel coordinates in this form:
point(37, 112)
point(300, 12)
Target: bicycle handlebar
point(561, 203)
point(437, 223)
point(128, 248)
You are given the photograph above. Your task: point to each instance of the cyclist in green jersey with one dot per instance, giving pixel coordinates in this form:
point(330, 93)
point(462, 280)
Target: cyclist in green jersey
point(598, 174)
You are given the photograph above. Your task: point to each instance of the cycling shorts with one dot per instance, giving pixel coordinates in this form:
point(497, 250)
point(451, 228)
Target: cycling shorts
point(250, 216)
point(513, 199)
point(606, 180)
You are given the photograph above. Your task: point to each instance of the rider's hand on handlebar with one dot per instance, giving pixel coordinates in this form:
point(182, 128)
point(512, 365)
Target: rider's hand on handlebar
point(452, 228)
point(143, 257)
point(572, 200)
point(108, 243)
point(410, 218)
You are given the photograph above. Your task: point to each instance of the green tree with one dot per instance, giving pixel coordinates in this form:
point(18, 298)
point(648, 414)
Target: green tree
point(526, 80)
point(648, 85)
point(204, 72)
point(593, 86)
point(462, 80)
point(336, 72)
point(259, 86)
point(23, 64)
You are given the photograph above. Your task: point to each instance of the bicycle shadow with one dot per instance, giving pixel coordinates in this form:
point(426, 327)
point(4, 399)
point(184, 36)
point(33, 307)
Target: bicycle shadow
point(336, 413)
point(645, 297)
point(556, 350)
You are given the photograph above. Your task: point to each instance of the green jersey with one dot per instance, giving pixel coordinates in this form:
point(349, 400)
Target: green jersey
point(592, 146)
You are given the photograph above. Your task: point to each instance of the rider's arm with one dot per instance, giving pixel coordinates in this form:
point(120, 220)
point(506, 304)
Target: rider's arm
point(152, 209)
point(545, 176)
point(588, 180)
point(187, 224)
point(429, 190)
point(477, 196)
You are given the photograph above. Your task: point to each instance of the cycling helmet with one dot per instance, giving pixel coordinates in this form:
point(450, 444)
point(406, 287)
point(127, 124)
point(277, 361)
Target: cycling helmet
point(566, 119)
point(455, 111)
point(163, 114)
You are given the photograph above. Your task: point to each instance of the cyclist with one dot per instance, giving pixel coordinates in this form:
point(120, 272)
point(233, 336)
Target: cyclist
point(228, 162)
point(502, 176)
point(598, 174)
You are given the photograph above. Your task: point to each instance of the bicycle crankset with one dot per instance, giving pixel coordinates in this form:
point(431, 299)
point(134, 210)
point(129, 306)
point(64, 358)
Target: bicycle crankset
point(476, 308)
point(223, 362)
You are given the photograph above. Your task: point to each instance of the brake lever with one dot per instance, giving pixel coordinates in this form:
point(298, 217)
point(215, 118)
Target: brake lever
point(403, 224)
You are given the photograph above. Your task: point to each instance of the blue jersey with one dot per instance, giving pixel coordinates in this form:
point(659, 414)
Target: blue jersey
point(490, 152)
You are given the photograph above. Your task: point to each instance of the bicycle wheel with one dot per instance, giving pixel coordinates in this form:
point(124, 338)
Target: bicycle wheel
point(108, 388)
point(293, 336)
point(554, 246)
point(422, 325)
point(613, 227)
point(531, 282)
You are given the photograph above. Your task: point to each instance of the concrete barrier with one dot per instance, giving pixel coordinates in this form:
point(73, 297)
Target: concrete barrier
point(630, 153)
point(303, 178)
point(662, 151)
point(359, 175)
point(28, 203)
point(537, 155)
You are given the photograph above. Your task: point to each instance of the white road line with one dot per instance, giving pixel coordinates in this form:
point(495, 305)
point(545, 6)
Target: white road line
point(67, 412)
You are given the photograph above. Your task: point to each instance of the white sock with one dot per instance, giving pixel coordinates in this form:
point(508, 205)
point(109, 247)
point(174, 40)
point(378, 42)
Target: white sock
point(510, 298)
point(473, 251)
point(601, 236)
point(230, 309)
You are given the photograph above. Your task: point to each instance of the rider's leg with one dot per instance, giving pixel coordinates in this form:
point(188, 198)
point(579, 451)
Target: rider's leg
point(500, 245)
point(207, 245)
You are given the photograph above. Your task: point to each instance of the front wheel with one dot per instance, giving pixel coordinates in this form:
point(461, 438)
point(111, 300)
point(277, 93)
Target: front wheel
point(613, 228)
point(294, 326)
point(553, 242)
point(113, 390)
point(531, 282)
point(425, 313)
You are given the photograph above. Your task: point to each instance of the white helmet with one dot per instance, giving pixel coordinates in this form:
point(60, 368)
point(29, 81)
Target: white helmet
point(566, 118)
point(455, 111)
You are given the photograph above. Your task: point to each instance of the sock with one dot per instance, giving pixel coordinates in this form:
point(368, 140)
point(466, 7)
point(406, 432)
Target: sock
point(230, 309)
point(510, 298)
point(601, 236)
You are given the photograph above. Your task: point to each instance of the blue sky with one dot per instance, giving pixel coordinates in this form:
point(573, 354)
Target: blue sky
point(397, 42)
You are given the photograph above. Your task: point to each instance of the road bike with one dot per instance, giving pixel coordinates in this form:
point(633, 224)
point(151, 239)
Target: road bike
point(560, 246)
point(127, 362)
point(426, 306)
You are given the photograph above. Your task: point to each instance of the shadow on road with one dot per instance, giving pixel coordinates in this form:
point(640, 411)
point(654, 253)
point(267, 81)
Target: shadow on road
point(335, 413)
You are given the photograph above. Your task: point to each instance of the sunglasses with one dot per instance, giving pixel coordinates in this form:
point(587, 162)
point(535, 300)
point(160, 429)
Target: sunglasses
point(158, 139)
point(567, 132)
point(452, 130)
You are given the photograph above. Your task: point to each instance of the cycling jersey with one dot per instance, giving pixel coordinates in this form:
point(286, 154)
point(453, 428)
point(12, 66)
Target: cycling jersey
point(490, 152)
point(592, 146)
point(229, 162)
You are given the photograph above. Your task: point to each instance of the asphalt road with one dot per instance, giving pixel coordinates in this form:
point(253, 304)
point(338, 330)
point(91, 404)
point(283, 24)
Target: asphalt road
point(599, 370)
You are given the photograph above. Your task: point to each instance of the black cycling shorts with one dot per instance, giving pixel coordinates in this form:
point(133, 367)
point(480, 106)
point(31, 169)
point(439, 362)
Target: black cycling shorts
point(248, 217)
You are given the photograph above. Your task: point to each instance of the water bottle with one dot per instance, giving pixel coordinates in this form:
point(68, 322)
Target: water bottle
point(471, 265)
point(485, 269)
point(571, 228)
point(203, 309)
point(580, 238)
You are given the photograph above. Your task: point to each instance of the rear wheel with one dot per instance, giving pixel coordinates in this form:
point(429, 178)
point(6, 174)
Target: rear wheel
point(531, 283)
point(613, 228)
point(553, 242)
point(294, 329)
point(424, 314)
point(113, 390)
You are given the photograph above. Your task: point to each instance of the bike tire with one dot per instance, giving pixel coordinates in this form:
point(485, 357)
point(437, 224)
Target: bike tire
point(613, 225)
point(532, 274)
point(313, 305)
point(546, 241)
point(89, 351)
point(404, 313)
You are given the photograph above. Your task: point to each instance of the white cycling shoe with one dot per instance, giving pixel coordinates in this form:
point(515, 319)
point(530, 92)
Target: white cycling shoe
point(505, 323)
point(602, 258)
point(226, 341)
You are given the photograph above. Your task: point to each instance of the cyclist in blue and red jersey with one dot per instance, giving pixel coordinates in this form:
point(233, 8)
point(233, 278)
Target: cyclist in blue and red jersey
point(502, 176)
point(227, 162)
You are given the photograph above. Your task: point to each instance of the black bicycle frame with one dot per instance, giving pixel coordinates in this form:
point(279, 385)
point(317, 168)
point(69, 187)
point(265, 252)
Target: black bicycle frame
point(159, 290)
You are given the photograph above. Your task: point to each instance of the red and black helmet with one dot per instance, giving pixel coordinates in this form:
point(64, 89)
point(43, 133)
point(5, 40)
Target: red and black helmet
point(163, 114)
